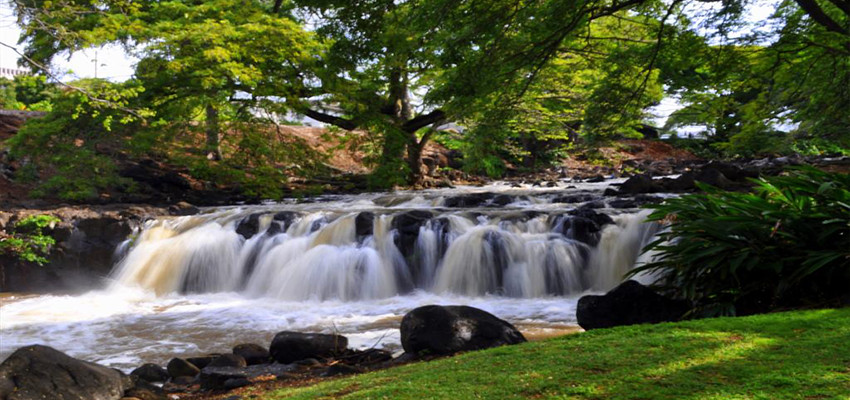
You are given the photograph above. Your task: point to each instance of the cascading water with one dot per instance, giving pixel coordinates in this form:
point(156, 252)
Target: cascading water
point(351, 264)
point(319, 255)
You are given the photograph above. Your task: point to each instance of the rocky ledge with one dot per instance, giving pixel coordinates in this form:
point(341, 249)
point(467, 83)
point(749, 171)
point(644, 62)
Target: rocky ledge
point(86, 241)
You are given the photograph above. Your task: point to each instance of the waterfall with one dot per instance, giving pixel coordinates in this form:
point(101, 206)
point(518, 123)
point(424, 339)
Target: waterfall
point(373, 253)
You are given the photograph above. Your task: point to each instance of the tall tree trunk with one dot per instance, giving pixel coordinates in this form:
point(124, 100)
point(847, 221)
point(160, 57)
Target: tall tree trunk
point(213, 148)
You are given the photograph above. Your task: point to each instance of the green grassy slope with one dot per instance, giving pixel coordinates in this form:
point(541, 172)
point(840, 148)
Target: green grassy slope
point(793, 355)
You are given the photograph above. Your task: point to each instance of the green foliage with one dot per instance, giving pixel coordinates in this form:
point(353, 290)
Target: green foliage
point(26, 92)
point(785, 244)
point(779, 356)
point(27, 241)
point(69, 149)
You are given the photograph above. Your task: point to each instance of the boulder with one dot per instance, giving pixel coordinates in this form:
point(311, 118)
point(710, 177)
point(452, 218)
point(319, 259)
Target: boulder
point(249, 226)
point(364, 224)
point(281, 222)
point(41, 372)
point(223, 378)
point(639, 184)
point(228, 360)
point(178, 367)
point(150, 373)
point(202, 361)
point(289, 346)
point(252, 353)
point(629, 303)
point(445, 330)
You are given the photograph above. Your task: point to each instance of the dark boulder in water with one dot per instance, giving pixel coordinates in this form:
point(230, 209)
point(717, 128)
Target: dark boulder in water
point(41, 372)
point(252, 353)
point(583, 225)
point(151, 373)
point(288, 347)
point(281, 222)
point(629, 303)
point(364, 224)
point(449, 329)
point(407, 225)
point(249, 226)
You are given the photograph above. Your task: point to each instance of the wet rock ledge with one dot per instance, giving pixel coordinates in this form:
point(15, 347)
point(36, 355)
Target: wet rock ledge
point(86, 239)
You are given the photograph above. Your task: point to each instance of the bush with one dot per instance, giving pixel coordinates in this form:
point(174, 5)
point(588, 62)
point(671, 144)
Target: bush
point(26, 241)
point(787, 244)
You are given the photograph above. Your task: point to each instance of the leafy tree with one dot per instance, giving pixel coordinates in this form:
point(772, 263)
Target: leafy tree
point(27, 241)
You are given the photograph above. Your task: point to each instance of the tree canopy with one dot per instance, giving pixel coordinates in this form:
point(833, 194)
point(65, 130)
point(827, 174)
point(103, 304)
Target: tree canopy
point(525, 78)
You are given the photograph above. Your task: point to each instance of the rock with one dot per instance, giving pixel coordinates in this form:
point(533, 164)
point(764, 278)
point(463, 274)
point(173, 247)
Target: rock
point(249, 226)
point(288, 346)
point(178, 367)
point(281, 222)
point(593, 205)
point(341, 369)
point(364, 224)
point(151, 373)
point(729, 171)
point(228, 360)
point(468, 200)
point(596, 179)
point(575, 198)
point(217, 378)
point(41, 372)
point(407, 226)
point(577, 228)
point(202, 361)
point(182, 209)
point(449, 329)
point(146, 391)
point(628, 304)
point(639, 184)
point(252, 353)
point(714, 178)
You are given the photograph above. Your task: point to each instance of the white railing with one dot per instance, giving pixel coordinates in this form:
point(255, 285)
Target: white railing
point(12, 72)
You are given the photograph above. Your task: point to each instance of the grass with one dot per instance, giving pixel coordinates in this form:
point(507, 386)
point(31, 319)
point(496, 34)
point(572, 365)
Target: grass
point(791, 355)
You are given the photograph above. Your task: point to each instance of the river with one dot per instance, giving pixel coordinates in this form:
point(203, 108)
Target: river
point(352, 265)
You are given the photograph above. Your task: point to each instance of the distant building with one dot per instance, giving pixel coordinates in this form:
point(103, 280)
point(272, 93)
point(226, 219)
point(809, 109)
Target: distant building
point(11, 73)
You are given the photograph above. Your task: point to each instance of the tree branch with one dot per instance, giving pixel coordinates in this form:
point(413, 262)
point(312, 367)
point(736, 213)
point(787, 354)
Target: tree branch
point(814, 10)
point(423, 120)
point(327, 118)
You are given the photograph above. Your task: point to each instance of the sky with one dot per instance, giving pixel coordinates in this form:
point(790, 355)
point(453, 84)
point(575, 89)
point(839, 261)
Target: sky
point(112, 63)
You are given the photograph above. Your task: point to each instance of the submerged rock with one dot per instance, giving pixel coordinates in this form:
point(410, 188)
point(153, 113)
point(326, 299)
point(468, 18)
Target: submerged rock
point(41, 372)
point(449, 329)
point(629, 303)
point(288, 347)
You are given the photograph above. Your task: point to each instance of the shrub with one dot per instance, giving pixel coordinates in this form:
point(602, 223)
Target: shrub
point(26, 240)
point(787, 244)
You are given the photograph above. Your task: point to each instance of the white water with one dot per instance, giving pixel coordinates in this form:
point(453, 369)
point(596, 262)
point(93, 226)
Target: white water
point(192, 285)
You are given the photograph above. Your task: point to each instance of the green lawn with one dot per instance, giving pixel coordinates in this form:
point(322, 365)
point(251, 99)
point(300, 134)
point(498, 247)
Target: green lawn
point(793, 355)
